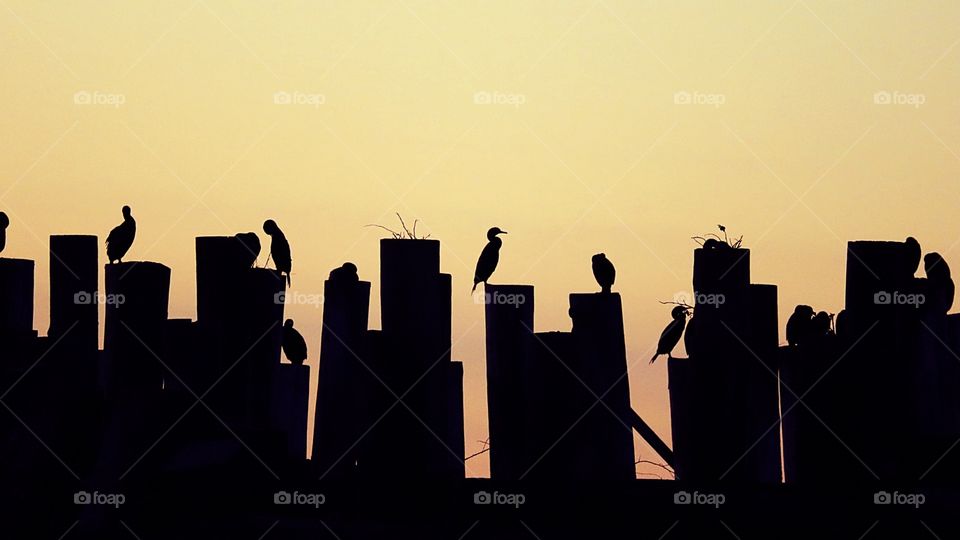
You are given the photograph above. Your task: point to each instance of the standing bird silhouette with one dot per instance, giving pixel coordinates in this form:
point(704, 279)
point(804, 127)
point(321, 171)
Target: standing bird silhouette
point(489, 258)
point(942, 288)
point(800, 325)
point(4, 223)
point(604, 272)
point(294, 346)
point(121, 237)
point(672, 333)
point(250, 248)
point(279, 248)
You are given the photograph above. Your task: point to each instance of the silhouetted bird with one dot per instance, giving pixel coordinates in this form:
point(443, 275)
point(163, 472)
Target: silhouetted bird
point(294, 346)
point(4, 223)
point(799, 325)
point(279, 248)
point(672, 333)
point(251, 248)
point(713, 243)
point(347, 272)
point(121, 237)
point(821, 325)
point(604, 272)
point(913, 262)
point(940, 284)
point(489, 258)
point(840, 324)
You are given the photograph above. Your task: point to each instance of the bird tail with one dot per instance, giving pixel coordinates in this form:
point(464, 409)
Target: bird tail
point(474, 289)
point(654, 357)
point(288, 279)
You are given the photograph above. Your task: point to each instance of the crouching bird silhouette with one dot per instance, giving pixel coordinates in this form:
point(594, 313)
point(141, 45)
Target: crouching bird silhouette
point(489, 258)
point(4, 223)
point(345, 273)
point(604, 272)
point(672, 333)
point(293, 344)
point(942, 288)
point(279, 248)
point(800, 325)
point(251, 248)
point(121, 237)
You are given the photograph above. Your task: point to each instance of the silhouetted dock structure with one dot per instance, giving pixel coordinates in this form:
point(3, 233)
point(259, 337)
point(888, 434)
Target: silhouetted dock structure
point(182, 403)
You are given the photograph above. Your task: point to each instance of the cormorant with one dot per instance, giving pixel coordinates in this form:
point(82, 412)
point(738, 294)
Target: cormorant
point(713, 243)
point(821, 325)
point(250, 251)
point(672, 333)
point(121, 237)
point(941, 286)
point(489, 258)
point(347, 272)
point(4, 223)
point(279, 248)
point(604, 272)
point(799, 325)
point(913, 262)
point(294, 346)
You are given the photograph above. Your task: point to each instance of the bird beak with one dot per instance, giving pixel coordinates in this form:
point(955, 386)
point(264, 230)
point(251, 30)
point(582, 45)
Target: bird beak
point(503, 232)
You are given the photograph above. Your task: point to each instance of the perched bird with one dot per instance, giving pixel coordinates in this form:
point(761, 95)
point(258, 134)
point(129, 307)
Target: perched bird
point(121, 237)
point(489, 258)
point(841, 323)
point(913, 261)
point(250, 251)
point(279, 248)
point(941, 286)
point(799, 325)
point(294, 346)
point(821, 325)
point(713, 243)
point(347, 272)
point(4, 223)
point(604, 272)
point(672, 333)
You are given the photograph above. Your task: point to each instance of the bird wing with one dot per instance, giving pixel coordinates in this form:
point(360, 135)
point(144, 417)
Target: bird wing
point(487, 262)
point(115, 234)
point(670, 337)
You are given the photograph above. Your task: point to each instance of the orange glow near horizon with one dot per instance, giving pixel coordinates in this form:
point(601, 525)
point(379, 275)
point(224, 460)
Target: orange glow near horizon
point(579, 127)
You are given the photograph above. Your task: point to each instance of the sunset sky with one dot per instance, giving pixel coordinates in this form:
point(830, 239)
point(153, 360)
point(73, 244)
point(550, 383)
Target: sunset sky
point(605, 125)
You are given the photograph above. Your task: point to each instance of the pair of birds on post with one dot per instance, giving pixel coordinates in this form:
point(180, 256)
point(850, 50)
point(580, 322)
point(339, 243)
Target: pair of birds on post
point(121, 238)
point(603, 269)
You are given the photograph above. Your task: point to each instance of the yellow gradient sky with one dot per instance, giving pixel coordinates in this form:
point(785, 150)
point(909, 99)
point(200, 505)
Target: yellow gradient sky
point(585, 147)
